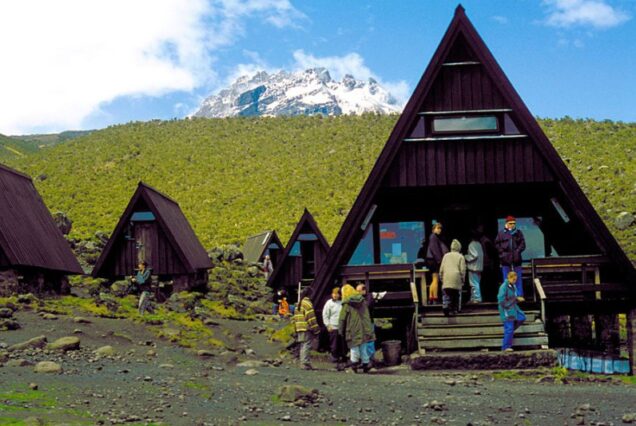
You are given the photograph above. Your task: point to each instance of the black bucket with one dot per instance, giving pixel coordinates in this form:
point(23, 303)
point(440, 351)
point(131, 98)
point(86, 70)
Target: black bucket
point(391, 351)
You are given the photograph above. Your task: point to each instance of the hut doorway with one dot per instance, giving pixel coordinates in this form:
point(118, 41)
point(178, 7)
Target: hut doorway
point(145, 237)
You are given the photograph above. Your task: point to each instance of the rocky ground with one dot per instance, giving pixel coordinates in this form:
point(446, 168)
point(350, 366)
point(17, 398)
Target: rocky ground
point(116, 370)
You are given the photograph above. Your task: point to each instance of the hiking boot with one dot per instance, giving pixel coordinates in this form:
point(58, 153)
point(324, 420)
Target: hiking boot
point(366, 368)
point(308, 367)
point(446, 311)
point(355, 366)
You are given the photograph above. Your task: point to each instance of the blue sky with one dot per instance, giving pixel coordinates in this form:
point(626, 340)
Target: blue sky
point(89, 64)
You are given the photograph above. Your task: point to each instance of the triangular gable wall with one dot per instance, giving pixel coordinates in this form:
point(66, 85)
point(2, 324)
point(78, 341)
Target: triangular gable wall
point(284, 270)
point(490, 89)
point(256, 245)
point(103, 267)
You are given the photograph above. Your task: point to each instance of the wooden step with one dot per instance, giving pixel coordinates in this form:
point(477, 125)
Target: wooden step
point(489, 342)
point(470, 318)
point(487, 329)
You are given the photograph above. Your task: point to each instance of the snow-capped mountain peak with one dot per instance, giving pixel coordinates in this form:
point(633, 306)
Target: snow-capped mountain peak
point(308, 92)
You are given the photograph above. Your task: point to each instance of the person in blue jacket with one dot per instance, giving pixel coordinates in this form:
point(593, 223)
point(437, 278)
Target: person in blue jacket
point(142, 279)
point(511, 315)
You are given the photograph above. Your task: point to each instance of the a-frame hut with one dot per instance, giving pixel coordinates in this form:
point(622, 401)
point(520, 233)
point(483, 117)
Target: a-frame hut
point(304, 254)
point(260, 245)
point(466, 151)
point(34, 256)
point(154, 229)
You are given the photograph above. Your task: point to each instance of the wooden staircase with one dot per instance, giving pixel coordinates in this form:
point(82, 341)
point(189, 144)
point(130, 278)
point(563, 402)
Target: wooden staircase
point(477, 327)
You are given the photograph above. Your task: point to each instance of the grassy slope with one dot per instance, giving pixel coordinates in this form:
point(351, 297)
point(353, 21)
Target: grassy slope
point(236, 177)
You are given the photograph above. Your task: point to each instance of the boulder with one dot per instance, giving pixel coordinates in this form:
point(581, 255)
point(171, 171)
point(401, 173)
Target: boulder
point(69, 343)
point(9, 324)
point(18, 363)
point(36, 342)
point(33, 421)
point(204, 353)
point(48, 367)
point(81, 320)
point(251, 372)
point(48, 316)
point(624, 220)
point(105, 351)
point(63, 222)
point(292, 393)
point(252, 364)
point(6, 313)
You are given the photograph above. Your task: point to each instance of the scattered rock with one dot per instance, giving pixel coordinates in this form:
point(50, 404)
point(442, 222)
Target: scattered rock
point(169, 366)
point(48, 367)
point(624, 220)
point(251, 372)
point(18, 363)
point(26, 299)
point(204, 353)
point(36, 342)
point(105, 351)
point(9, 324)
point(6, 313)
point(69, 343)
point(50, 317)
point(151, 353)
point(629, 418)
point(252, 364)
point(33, 421)
point(33, 386)
point(292, 393)
point(82, 320)
point(63, 222)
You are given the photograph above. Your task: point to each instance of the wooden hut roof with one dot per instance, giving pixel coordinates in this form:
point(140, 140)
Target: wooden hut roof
point(306, 221)
point(171, 221)
point(28, 234)
point(256, 245)
point(461, 40)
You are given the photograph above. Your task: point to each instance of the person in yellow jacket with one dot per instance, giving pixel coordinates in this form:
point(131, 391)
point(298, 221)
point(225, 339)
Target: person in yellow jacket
point(306, 326)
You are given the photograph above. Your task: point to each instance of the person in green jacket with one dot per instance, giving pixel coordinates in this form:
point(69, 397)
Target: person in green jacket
point(356, 327)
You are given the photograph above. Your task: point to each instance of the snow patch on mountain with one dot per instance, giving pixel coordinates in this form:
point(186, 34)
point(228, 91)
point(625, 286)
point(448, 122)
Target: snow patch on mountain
point(308, 92)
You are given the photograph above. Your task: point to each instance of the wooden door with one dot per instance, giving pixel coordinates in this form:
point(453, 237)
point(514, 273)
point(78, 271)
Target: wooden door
point(145, 242)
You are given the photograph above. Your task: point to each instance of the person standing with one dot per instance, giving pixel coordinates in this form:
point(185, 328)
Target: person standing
point(452, 273)
point(368, 297)
point(142, 279)
point(330, 317)
point(510, 243)
point(509, 312)
point(306, 326)
point(434, 254)
point(268, 267)
point(278, 296)
point(475, 265)
point(356, 327)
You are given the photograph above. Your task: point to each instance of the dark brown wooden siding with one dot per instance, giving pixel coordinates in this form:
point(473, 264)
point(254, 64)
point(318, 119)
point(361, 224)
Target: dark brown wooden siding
point(460, 88)
point(467, 162)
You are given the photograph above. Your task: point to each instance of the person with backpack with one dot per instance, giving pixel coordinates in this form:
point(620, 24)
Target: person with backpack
point(306, 326)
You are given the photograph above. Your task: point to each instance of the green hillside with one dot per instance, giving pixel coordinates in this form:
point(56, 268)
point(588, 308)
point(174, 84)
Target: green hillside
point(12, 147)
point(235, 177)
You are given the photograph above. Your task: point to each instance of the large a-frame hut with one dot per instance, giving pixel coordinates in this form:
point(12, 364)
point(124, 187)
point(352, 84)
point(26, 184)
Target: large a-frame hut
point(154, 229)
point(33, 252)
point(304, 254)
point(260, 245)
point(467, 152)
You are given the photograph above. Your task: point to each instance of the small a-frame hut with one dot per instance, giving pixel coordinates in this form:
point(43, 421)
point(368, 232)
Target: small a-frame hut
point(154, 229)
point(466, 151)
point(304, 254)
point(260, 245)
point(33, 251)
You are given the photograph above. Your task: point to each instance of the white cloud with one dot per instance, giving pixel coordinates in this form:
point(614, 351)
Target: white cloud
point(500, 19)
point(62, 59)
point(351, 63)
point(595, 13)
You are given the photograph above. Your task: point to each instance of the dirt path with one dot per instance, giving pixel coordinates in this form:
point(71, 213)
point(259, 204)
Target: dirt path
point(150, 380)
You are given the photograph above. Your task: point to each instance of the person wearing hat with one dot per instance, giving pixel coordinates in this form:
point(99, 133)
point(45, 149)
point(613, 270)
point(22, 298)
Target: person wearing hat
point(510, 243)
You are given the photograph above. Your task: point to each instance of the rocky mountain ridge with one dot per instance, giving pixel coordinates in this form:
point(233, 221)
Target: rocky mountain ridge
point(308, 92)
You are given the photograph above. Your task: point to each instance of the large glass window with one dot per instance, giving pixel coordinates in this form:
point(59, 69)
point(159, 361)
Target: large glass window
point(465, 124)
point(399, 242)
point(535, 241)
point(363, 255)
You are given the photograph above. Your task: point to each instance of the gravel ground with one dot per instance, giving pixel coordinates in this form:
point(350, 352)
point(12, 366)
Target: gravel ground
point(149, 380)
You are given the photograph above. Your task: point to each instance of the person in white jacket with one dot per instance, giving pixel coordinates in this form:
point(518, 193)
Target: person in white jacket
point(330, 316)
point(475, 265)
